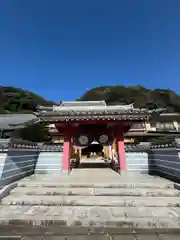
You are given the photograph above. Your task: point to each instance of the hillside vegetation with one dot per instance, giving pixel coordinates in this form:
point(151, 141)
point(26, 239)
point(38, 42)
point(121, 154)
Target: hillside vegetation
point(18, 100)
point(140, 96)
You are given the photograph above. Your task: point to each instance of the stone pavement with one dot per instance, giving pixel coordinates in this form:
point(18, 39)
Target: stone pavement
point(96, 203)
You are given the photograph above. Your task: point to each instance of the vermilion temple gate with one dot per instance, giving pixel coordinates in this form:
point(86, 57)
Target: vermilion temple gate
point(83, 122)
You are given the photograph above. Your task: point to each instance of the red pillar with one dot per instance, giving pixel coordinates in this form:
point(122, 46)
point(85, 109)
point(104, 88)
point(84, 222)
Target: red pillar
point(66, 153)
point(121, 152)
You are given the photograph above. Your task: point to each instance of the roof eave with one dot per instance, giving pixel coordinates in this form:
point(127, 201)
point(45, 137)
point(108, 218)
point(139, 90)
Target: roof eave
point(78, 118)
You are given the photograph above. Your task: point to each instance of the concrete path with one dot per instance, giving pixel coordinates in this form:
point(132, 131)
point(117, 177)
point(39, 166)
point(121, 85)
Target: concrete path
point(93, 201)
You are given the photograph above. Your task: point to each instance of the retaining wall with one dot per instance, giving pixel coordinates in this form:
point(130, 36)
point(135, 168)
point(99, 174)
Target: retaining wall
point(164, 160)
point(49, 160)
point(20, 159)
point(161, 159)
point(17, 159)
point(137, 158)
point(137, 162)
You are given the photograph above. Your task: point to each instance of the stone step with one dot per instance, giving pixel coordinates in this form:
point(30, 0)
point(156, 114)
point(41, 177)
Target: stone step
point(96, 191)
point(18, 199)
point(82, 211)
point(122, 218)
point(63, 184)
point(105, 236)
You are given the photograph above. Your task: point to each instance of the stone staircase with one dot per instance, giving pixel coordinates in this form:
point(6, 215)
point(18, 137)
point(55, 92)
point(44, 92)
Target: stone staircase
point(69, 205)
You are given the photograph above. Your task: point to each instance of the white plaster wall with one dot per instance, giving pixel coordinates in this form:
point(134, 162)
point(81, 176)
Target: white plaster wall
point(3, 157)
point(137, 162)
point(49, 162)
point(16, 164)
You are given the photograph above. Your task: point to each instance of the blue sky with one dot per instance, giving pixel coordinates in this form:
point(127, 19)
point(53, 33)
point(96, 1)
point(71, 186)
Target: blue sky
point(61, 48)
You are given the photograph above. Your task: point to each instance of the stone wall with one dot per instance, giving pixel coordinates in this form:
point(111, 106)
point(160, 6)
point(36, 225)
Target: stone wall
point(49, 160)
point(164, 160)
point(161, 159)
point(137, 162)
point(20, 158)
point(17, 159)
point(137, 158)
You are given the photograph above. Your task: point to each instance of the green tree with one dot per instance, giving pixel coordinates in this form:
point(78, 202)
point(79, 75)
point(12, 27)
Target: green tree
point(18, 100)
point(35, 133)
point(140, 96)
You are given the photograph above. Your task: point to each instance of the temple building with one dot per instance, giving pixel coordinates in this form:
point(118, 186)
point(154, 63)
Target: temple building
point(10, 124)
point(166, 124)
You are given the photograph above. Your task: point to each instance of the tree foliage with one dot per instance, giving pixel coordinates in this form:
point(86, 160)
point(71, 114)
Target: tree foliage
point(140, 96)
point(15, 100)
point(35, 133)
point(18, 100)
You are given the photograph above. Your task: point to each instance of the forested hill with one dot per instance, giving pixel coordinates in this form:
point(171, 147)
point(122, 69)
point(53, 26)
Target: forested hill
point(140, 96)
point(18, 100)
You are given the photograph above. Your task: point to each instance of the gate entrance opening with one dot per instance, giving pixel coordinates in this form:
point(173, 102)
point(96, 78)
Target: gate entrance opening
point(93, 149)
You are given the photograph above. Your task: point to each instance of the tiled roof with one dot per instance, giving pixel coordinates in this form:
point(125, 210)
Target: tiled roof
point(91, 110)
point(94, 110)
point(83, 103)
point(13, 121)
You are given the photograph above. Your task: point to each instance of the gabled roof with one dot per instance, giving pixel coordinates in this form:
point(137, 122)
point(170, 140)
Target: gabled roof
point(91, 110)
point(15, 121)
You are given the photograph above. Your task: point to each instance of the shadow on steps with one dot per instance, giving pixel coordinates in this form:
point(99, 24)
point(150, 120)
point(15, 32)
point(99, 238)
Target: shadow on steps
point(93, 165)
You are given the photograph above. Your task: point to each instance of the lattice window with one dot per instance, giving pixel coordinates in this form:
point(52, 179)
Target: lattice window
point(165, 126)
point(170, 126)
point(138, 126)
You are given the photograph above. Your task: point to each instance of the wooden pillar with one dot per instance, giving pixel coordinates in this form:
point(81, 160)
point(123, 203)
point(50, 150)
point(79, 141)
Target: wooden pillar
point(121, 152)
point(66, 153)
point(80, 154)
point(115, 146)
point(106, 152)
point(110, 151)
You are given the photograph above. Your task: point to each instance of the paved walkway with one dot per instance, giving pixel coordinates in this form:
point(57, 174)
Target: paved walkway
point(92, 201)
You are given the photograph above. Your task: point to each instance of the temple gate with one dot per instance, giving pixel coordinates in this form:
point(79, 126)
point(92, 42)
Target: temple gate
point(81, 123)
